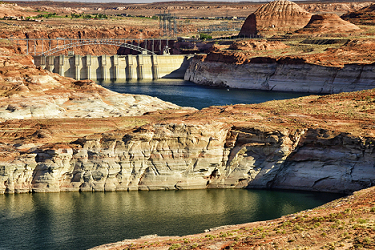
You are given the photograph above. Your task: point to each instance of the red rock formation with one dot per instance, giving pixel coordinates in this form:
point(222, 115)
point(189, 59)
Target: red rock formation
point(280, 15)
point(327, 23)
point(365, 15)
point(330, 7)
point(227, 57)
point(86, 32)
point(253, 44)
point(13, 10)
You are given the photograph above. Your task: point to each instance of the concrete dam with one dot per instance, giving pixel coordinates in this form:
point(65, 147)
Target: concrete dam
point(116, 67)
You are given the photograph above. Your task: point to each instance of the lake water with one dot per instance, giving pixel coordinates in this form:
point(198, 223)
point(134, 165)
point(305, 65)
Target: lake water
point(189, 94)
point(82, 220)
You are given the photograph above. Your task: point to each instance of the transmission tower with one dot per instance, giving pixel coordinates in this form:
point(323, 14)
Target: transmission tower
point(167, 24)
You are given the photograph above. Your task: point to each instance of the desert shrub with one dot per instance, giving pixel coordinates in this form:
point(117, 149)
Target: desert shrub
point(203, 36)
point(174, 246)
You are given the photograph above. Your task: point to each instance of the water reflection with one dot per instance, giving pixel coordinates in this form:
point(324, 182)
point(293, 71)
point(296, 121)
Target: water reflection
point(83, 220)
point(188, 94)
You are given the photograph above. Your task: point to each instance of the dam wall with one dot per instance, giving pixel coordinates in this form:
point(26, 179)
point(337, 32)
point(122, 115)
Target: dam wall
point(116, 67)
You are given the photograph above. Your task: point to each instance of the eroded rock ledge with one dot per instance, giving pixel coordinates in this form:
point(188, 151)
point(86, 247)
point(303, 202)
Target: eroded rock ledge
point(282, 75)
point(316, 143)
point(191, 156)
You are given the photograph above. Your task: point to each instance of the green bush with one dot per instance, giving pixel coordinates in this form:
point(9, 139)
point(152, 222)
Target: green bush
point(174, 246)
point(203, 36)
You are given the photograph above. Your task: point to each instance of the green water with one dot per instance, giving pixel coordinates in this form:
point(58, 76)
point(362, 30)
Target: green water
point(83, 220)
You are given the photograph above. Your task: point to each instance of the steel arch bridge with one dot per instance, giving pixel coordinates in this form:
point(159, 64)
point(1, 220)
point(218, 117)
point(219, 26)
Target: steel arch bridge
point(47, 47)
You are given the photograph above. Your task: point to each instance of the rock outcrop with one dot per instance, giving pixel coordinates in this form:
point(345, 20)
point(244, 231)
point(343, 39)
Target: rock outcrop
point(252, 44)
point(364, 16)
point(193, 155)
point(13, 10)
point(293, 75)
point(29, 92)
point(327, 24)
point(338, 7)
point(280, 15)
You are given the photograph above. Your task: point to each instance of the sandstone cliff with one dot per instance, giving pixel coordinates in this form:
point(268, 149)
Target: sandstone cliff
point(196, 155)
point(271, 145)
point(281, 75)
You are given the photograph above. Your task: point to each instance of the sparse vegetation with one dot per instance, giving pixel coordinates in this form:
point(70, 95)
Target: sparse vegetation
point(204, 36)
point(346, 222)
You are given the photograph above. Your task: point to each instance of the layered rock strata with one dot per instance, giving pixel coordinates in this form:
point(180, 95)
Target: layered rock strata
point(28, 92)
point(194, 155)
point(364, 16)
point(280, 15)
point(327, 24)
point(282, 75)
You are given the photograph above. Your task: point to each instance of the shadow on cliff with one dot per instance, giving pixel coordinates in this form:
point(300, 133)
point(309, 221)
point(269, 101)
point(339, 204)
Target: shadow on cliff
point(180, 72)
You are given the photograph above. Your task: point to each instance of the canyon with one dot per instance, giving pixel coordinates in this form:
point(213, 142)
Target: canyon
point(333, 55)
point(59, 134)
point(272, 145)
point(166, 147)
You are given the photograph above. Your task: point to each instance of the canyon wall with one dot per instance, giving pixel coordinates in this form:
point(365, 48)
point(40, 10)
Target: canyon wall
point(196, 156)
point(283, 76)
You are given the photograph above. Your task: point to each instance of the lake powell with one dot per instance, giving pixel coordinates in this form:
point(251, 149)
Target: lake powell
point(83, 220)
point(189, 94)
point(76, 220)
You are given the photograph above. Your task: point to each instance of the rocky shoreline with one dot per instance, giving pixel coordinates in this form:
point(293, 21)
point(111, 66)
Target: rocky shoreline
point(341, 224)
point(271, 145)
point(312, 143)
point(59, 135)
point(277, 75)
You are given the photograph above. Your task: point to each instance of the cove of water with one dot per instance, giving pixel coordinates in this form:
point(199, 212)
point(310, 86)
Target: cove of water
point(84, 220)
point(77, 221)
point(189, 94)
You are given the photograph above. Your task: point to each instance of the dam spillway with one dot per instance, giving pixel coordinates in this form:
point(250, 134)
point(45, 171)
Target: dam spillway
point(116, 67)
